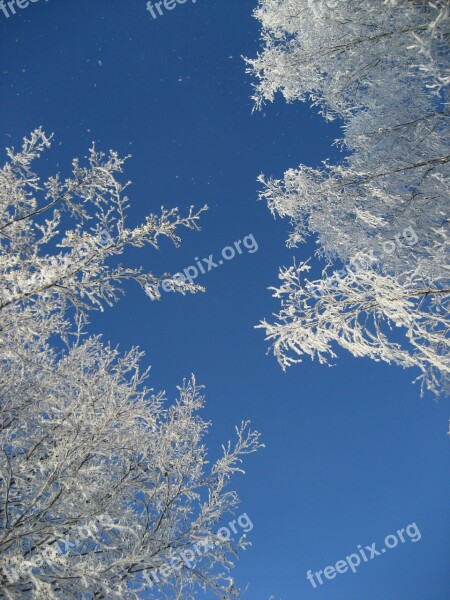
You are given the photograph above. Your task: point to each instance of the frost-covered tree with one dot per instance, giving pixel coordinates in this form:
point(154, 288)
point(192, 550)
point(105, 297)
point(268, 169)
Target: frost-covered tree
point(102, 481)
point(83, 216)
point(382, 213)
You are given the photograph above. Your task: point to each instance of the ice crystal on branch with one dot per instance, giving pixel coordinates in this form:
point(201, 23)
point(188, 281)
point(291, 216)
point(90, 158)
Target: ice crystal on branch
point(383, 69)
point(101, 479)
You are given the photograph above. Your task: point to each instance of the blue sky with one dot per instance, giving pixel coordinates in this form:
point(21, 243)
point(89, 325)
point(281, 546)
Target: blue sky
point(353, 453)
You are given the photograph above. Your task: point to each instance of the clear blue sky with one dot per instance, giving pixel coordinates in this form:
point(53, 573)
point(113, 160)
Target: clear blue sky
point(353, 453)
